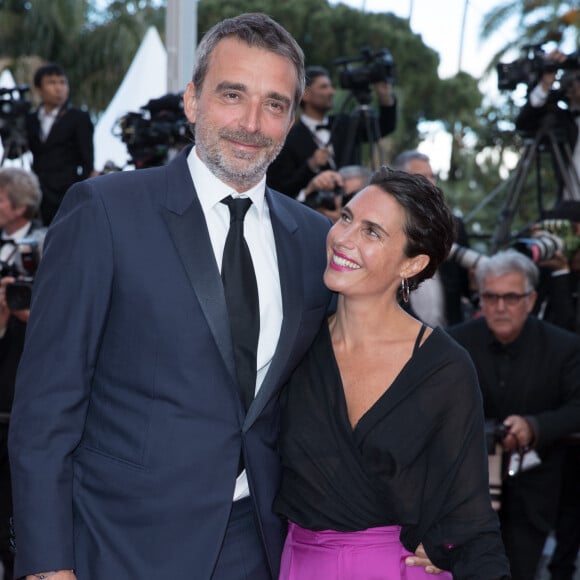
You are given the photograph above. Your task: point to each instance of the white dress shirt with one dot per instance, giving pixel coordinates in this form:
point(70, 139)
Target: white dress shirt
point(46, 120)
point(259, 236)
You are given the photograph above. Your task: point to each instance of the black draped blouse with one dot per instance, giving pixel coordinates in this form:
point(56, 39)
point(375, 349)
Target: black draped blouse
point(417, 458)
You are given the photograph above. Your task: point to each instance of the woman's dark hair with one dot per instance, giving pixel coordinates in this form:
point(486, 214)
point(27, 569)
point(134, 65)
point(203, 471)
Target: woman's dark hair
point(429, 224)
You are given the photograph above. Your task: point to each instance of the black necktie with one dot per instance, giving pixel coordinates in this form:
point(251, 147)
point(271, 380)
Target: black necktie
point(241, 292)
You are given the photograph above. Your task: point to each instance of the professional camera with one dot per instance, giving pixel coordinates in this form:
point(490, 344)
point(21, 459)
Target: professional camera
point(531, 66)
point(375, 67)
point(548, 237)
point(154, 131)
point(325, 199)
point(465, 257)
point(14, 107)
point(23, 268)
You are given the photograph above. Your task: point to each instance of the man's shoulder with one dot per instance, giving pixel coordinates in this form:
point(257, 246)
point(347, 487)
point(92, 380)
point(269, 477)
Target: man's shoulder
point(552, 335)
point(299, 211)
point(468, 331)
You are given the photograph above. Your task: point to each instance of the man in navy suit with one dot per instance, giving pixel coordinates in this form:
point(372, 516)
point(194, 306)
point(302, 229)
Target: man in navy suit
point(60, 138)
point(128, 424)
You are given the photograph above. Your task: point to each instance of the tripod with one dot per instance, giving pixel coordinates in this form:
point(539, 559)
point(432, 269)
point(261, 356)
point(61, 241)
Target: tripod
point(363, 121)
point(546, 138)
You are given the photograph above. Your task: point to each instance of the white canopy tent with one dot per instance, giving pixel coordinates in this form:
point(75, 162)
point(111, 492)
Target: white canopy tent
point(146, 79)
point(7, 82)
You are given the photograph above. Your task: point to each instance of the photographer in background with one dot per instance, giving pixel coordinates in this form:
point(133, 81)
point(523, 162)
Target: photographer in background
point(558, 302)
point(60, 138)
point(317, 140)
point(542, 111)
point(329, 191)
point(19, 202)
point(529, 374)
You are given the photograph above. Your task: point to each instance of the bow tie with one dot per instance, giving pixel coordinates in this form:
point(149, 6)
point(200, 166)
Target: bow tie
point(325, 126)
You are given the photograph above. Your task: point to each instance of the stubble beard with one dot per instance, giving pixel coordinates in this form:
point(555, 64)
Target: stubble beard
point(240, 169)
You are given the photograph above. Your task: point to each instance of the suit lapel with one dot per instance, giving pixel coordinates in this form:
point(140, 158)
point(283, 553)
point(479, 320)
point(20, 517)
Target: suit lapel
point(184, 218)
point(285, 229)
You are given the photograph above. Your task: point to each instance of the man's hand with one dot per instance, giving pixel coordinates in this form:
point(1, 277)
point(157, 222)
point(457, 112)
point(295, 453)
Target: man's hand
point(549, 77)
point(519, 433)
point(319, 159)
point(384, 92)
point(324, 181)
point(558, 262)
point(4, 310)
point(53, 575)
point(421, 559)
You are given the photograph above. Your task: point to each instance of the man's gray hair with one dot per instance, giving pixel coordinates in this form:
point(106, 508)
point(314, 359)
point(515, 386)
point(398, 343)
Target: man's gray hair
point(22, 188)
point(255, 30)
point(356, 171)
point(402, 160)
point(508, 262)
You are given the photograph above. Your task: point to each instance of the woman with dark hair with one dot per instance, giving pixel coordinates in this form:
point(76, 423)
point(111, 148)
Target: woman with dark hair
point(382, 436)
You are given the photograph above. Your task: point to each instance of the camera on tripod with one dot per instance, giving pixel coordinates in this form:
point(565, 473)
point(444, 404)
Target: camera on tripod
point(531, 66)
point(22, 268)
point(150, 134)
point(14, 106)
point(376, 67)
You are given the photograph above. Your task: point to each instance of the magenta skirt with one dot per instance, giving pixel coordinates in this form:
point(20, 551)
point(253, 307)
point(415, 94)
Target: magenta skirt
point(373, 554)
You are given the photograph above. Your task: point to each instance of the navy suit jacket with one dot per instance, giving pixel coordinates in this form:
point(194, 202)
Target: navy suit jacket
point(127, 421)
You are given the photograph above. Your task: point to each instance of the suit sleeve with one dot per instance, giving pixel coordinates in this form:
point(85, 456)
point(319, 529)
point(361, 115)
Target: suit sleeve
point(69, 308)
point(565, 419)
point(84, 138)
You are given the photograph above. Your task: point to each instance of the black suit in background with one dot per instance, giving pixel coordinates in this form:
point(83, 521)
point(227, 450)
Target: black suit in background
point(558, 303)
point(289, 173)
point(65, 157)
point(536, 376)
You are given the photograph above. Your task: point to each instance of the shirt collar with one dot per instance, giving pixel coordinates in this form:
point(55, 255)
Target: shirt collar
point(313, 123)
point(18, 234)
point(211, 190)
point(511, 348)
point(43, 114)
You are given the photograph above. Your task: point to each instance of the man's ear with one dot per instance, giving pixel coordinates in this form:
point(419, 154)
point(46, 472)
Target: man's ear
point(189, 102)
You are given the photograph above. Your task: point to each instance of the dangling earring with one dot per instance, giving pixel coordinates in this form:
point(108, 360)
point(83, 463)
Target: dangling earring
point(405, 290)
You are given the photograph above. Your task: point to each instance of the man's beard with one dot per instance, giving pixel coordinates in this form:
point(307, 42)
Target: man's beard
point(242, 169)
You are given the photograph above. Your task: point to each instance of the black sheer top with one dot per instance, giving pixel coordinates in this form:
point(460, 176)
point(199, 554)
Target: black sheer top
point(416, 459)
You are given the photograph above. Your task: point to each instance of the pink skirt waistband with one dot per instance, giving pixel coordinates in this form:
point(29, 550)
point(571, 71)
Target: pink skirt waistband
point(370, 536)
